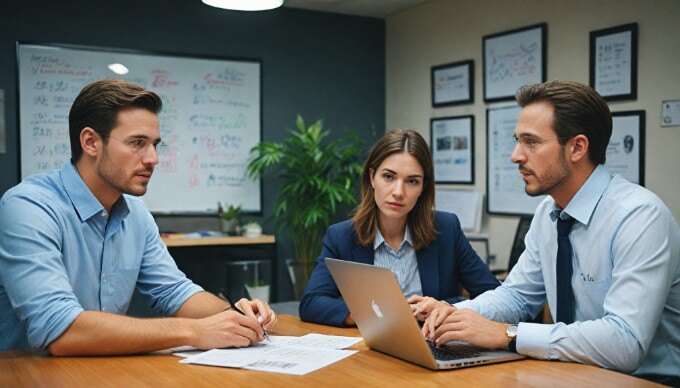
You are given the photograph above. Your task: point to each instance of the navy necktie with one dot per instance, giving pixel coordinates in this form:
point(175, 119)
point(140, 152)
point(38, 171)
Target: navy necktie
point(564, 272)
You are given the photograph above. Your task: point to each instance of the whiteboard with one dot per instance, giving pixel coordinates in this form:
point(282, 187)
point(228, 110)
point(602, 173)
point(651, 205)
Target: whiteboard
point(210, 120)
point(505, 187)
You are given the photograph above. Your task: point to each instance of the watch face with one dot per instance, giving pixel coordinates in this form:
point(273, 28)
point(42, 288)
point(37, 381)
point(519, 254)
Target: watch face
point(512, 331)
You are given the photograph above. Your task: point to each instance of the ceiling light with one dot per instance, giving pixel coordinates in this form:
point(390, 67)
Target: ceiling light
point(245, 5)
point(118, 68)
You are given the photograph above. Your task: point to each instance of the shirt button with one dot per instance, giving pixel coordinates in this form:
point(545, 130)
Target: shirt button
point(103, 308)
point(103, 214)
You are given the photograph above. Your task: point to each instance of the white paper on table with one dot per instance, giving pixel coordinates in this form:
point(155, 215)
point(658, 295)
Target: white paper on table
point(324, 341)
point(272, 358)
point(312, 340)
point(231, 358)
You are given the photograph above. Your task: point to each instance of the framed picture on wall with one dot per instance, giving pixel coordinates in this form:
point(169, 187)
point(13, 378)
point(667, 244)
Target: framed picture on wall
point(512, 59)
point(453, 143)
point(613, 62)
point(505, 188)
point(452, 83)
point(626, 148)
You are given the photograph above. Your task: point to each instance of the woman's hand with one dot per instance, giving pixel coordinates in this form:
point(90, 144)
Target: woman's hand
point(422, 306)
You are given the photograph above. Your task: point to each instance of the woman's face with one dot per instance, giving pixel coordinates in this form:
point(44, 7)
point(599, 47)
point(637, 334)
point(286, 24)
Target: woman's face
point(397, 184)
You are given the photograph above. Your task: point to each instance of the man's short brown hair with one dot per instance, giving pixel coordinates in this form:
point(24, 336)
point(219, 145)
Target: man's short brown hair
point(579, 110)
point(98, 104)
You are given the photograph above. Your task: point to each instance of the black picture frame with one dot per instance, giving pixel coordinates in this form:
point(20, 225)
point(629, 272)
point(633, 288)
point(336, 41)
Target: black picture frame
point(453, 83)
point(452, 141)
point(513, 58)
point(626, 148)
point(613, 62)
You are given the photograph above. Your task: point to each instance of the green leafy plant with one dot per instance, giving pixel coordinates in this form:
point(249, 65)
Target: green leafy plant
point(318, 176)
point(232, 212)
point(257, 283)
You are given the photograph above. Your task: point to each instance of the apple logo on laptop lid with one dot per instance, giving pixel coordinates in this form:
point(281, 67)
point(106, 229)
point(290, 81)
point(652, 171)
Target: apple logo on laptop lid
point(376, 309)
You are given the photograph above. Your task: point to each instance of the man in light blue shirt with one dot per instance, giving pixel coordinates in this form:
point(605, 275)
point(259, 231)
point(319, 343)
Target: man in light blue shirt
point(76, 242)
point(622, 302)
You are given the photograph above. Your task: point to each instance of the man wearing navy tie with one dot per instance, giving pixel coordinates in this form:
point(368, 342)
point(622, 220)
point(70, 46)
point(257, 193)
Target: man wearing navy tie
point(603, 252)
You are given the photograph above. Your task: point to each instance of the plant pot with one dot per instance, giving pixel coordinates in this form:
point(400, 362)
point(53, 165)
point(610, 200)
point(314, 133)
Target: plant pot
point(259, 292)
point(229, 226)
point(252, 231)
point(297, 277)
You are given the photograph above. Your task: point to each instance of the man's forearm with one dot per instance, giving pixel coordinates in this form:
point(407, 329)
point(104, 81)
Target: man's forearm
point(200, 305)
point(100, 333)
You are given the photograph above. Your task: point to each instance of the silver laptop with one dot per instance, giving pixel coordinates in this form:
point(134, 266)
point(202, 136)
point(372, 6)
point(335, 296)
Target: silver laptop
point(385, 320)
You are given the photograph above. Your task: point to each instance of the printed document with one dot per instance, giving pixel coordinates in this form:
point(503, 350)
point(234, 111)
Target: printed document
point(283, 354)
point(271, 358)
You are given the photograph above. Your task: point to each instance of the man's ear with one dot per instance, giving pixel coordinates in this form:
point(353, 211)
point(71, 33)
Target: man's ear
point(579, 146)
point(90, 141)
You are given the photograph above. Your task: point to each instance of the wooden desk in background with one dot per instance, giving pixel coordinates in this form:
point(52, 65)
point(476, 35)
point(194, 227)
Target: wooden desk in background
point(366, 368)
point(204, 259)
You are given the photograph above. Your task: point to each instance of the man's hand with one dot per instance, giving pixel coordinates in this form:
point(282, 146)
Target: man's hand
point(467, 325)
point(436, 317)
point(422, 306)
point(226, 329)
point(259, 311)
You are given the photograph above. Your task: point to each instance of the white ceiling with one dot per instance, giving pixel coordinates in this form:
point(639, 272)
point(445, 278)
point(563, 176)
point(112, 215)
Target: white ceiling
point(371, 8)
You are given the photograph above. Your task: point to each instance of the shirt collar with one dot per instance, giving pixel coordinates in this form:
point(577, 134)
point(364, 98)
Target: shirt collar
point(582, 206)
point(84, 202)
point(379, 239)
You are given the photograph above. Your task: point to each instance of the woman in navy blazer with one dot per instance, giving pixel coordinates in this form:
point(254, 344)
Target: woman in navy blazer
point(396, 221)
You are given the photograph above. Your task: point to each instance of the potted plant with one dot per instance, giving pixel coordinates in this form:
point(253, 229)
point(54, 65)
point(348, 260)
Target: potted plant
point(318, 176)
point(229, 219)
point(252, 229)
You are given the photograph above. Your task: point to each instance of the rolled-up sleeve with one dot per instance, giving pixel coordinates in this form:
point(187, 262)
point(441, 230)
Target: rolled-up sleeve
point(32, 271)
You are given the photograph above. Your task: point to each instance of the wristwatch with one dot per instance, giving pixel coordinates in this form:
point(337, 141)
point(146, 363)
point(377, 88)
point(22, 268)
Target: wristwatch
point(511, 332)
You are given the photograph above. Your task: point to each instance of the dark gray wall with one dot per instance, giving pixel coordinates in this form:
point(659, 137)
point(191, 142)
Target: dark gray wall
point(320, 65)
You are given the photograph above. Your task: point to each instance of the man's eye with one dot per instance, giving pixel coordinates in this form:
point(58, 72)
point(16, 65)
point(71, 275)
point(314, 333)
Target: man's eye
point(137, 143)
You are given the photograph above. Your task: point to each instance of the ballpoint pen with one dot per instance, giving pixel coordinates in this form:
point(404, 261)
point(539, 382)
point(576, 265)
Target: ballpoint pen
point(238, 310)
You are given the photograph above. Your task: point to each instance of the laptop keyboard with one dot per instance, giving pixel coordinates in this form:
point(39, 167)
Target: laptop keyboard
point(447, 353)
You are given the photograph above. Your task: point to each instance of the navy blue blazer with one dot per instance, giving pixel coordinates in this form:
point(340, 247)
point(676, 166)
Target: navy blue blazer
point(443, 265)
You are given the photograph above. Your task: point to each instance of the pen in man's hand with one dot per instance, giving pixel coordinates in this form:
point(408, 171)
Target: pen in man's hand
point(238, 310)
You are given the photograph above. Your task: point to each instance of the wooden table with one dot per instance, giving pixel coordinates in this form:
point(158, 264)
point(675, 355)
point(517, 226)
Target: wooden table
point(363, 369)
point(173, 242)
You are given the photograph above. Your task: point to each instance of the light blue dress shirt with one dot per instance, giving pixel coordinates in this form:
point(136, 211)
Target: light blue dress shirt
point(403, 263)
point(626, 282)
point(59, 257)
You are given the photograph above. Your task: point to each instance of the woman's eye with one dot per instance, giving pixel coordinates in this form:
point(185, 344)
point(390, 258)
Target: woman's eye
point(388, 177)
point(413, 182)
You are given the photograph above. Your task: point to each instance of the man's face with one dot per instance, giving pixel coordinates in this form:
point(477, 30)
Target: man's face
point(128, 157)
point(538, 153)
point(397, 184)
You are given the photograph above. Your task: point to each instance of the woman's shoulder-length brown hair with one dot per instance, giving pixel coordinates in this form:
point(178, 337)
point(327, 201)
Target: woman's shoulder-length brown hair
point(421, 218)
